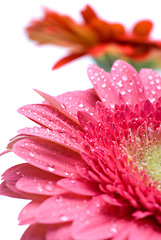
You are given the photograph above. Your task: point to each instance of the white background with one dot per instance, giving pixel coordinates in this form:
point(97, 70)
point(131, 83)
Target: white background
point(24, 66)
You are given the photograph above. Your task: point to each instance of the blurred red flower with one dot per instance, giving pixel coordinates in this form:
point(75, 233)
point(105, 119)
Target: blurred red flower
point(102, 40)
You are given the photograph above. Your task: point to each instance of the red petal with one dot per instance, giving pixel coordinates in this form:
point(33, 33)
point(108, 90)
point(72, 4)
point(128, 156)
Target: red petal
point(143, 28)
point(88, 14)
point(67, 59)
point(64, 208)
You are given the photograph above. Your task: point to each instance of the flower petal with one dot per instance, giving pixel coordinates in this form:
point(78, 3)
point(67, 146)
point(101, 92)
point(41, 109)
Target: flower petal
point(58, 232)
point(143, 28)
point(62, 137)
point(59, 209)
point(79, 186)
point(37, 184)
point(141, 230)
point(35, 232)
point(48, 156)
point(78, 101)
point(152, 83)
point(69, 58)
point(47, 116)
point(53, 102)
point(95, 223)
point(27, 214)
point(101, 81)
point(127, 82)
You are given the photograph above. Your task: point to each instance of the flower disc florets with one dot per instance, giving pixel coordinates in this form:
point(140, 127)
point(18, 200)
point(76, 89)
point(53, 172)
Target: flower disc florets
point(93, 163)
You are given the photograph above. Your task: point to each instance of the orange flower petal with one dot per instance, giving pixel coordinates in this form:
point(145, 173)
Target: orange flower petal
point(143, 28)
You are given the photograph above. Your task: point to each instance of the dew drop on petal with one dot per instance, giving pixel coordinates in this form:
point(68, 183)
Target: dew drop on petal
point(63, 106)
point(49, 186)
point(80, 105)
point(31, 154)
point(50, 167)
point(124, 78)
point(113, 229)
point(123, 93)
point(39, 188)
point(64, 218)
point(66, 173)
point(104, 85)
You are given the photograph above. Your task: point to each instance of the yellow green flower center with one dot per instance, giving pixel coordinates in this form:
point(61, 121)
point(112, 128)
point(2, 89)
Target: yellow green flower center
point(152, 161)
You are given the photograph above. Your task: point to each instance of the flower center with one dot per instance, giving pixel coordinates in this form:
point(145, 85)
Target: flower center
point(151, 161)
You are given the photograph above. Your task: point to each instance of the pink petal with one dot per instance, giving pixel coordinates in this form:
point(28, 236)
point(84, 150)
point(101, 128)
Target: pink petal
point(127, 83)
point(86, 120)
point(37, 184)
point(79, 186)
point(5, 191)
point(27, 215)
point(58, 232)
point(35, 232)
point(48, 156)
point(65, 138)
point(79, 101)
point(152, 83)
point(101, 81)
point(60, 107)
point(47, 116)
point(96, 223)
point(29, 179)
point(142, 231)
point(59, 209)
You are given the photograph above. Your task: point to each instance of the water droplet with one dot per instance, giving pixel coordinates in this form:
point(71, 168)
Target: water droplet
point(50, 167)
point(159, 87)
point(153, 92)
point(150, 77)
point(124, 78)
point(114, 230)
point(63, 106)
point(80, 105)
point(104, 85)
point(141, 89)
point(120, 84)
point(157, 80)
point(49, 186)
point(123, 93)
point(39, 188)
point(64, 218)
point(66, 173)
point(151, 82)
point(31, 154)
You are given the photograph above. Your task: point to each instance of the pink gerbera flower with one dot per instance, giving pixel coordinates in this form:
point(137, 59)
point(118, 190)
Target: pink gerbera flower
point(93, 169)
